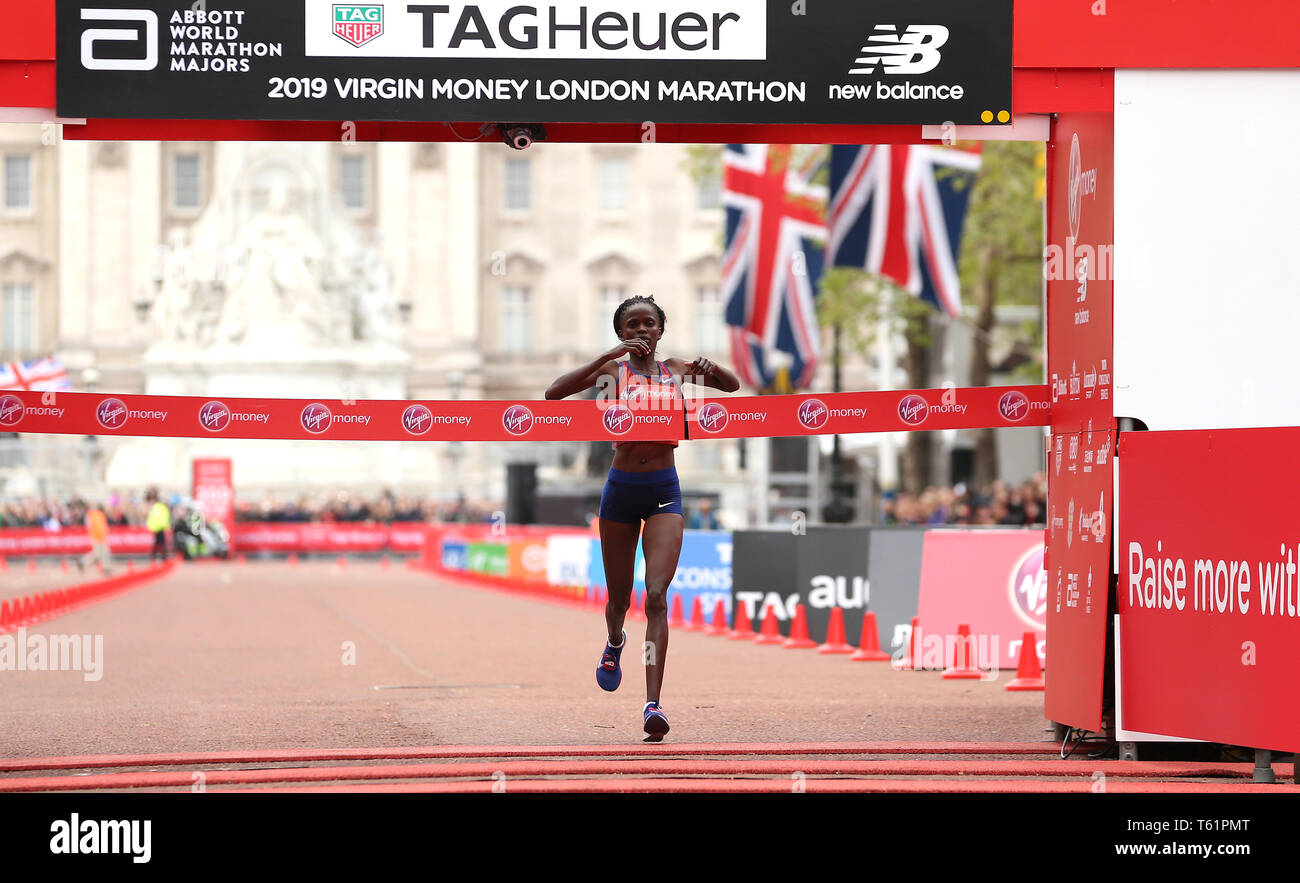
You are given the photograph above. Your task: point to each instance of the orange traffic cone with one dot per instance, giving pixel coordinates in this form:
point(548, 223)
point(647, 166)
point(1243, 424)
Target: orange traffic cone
point(799, 639)
point(963, 667)
point(771, 632)
point(696, 623)
point(718, 625)
point(241, 559)
point(675, 619)
point(912, 661)
point(869, 643)
point(836, 641)
point(293, 559)
point(743, 629)
point(1029, 674)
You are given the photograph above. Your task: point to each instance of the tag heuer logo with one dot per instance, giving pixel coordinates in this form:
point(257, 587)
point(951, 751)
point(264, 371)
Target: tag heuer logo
point(358, 24)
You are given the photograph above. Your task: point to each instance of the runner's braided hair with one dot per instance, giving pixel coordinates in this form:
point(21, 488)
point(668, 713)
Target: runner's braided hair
point(632, 301)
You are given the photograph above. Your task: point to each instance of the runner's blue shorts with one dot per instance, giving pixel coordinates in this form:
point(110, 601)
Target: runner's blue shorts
point(630, 497)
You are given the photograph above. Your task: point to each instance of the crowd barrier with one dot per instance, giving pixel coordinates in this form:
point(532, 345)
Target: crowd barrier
point(32, 609)
point(991, 580)
point(249, 538)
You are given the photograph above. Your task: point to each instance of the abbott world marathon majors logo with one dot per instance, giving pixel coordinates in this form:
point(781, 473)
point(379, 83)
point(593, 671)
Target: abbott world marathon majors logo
point(1028, 587)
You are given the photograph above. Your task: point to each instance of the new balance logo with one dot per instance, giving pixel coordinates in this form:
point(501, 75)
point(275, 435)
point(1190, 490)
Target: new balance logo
point(141, 27)
point(915, 51)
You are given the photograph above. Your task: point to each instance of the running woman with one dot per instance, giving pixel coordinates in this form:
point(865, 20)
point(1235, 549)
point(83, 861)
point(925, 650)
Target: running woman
point(642, 486)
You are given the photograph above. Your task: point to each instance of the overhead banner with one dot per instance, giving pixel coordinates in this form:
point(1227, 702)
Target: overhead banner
point(1207, 590)
point(580, 420)
point(669, 61)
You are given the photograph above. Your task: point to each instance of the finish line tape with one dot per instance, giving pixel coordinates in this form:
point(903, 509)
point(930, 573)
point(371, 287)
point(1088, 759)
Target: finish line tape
point(79, 413)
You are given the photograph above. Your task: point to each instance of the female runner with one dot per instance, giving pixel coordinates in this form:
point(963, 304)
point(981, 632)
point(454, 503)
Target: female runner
point(642, 486)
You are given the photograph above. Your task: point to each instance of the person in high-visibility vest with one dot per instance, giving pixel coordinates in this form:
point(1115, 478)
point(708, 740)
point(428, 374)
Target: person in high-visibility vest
point(97, 530)
point(158, 522)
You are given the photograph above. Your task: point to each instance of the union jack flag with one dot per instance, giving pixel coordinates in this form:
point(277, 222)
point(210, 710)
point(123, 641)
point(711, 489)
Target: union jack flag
point(772, 261)
point(42, 375)
point(894, 212)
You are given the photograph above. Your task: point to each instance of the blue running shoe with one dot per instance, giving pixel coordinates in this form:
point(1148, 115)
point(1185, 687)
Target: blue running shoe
point(608, 674)
point(656, 722)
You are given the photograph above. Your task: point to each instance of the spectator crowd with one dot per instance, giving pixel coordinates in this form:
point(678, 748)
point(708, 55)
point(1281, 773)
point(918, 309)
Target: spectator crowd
point(132, 510)
point(1024, 504)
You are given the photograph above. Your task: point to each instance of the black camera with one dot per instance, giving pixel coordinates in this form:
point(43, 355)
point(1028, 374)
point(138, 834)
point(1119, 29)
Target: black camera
point(520, 136)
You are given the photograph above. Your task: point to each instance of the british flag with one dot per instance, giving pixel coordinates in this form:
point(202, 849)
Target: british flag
point(772, 261)
point(896, 212)
point(41, 375)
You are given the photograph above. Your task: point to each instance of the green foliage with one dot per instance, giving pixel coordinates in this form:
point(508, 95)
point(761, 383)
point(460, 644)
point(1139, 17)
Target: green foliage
point(857, 301)
point(1003, 236)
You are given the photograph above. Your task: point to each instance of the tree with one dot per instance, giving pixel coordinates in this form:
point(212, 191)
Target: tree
point(860, 305)
point(1000, 263)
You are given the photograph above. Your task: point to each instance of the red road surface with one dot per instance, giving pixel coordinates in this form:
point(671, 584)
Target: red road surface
point(302, 674)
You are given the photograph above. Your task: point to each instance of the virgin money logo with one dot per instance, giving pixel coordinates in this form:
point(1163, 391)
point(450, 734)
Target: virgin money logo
point(813, 413)
point(316, 418)
point(11, 410)
point(1029, 588)
point(111, 413)
point(913, 410)
point(417, 419)
point(618, 420)
point(517, 420)
point(1013, 405)
point(713, 417)
point(214, 416)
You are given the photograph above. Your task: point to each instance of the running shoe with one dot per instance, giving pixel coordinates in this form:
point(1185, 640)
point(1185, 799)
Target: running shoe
point(656, 722)
point(608, 674)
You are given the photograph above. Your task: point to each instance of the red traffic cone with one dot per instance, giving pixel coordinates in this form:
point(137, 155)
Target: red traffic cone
point(963, 666)
point(836, 640)
point(241, 559)
point(771, 631)
point(869, 643)
point(912, 661)
point(718, 625)
point(676, 620)
point(743, 629)
point(696, 623)
point(799, 639)
point(1029, 674)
